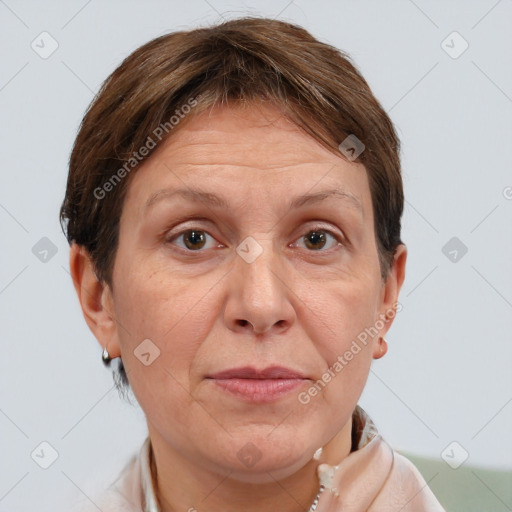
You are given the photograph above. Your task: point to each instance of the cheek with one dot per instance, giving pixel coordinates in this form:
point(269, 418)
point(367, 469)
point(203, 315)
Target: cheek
point(340, 313)
point(341, 320)
point(157, 303)
point(171, 312)
point(173, 318)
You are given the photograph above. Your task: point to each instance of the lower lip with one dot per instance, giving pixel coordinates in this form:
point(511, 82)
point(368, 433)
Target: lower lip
point(259, 390)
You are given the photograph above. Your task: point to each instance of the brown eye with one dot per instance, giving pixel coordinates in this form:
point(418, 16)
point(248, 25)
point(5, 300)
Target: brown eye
point(315, 240)
point(318, 239)
point(192, 240)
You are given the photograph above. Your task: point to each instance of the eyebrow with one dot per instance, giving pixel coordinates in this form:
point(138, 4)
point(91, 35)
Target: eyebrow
point(216, 201)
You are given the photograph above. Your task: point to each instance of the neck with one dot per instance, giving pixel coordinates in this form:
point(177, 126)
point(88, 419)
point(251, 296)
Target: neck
point(186, 485)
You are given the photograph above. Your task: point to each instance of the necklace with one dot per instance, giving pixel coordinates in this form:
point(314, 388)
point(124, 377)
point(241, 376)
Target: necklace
point(325, 476)
point(315, 501)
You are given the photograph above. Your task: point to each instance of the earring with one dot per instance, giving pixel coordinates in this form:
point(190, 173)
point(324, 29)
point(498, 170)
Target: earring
point(105, 356)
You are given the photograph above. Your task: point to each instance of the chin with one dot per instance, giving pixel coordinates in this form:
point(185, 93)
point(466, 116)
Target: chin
point(263, 459)
point(269, 468)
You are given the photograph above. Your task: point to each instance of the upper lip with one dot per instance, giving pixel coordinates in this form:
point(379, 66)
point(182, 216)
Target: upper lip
point(248, 372)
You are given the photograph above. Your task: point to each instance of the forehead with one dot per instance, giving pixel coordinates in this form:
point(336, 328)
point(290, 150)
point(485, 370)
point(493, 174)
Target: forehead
point(254, 150)
point(274, 140)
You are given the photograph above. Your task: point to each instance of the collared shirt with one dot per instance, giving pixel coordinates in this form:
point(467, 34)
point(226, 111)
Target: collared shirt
point(373, 478)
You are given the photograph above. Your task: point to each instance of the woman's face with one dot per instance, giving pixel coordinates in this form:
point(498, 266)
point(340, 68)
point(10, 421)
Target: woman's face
point(230, 261)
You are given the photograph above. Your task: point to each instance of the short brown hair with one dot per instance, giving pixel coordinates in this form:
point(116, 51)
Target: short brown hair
point(242, 60)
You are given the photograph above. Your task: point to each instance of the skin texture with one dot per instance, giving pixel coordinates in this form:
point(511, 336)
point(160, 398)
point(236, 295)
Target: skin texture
point(297, 305)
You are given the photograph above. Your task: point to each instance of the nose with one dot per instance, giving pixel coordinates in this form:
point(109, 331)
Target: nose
point(260, 296)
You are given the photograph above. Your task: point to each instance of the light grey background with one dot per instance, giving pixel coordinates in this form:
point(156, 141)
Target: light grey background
point(447, 375)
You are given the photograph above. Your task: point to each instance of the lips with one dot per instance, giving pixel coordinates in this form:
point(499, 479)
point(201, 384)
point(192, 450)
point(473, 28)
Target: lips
point(248, 372)
point(258, 386)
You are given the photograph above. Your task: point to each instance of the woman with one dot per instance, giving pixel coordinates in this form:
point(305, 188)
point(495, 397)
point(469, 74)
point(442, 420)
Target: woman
point(233, 208)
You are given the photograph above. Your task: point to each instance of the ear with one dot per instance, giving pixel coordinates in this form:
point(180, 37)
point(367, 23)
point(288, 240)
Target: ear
point(389, 298)
point(95, 299)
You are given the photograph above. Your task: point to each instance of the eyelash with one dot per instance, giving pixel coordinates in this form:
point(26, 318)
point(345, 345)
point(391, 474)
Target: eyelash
point(340, 241)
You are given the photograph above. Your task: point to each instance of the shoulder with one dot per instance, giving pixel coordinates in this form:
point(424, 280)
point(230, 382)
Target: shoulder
point(123, 494)
point(400, 485)
point(405, 489)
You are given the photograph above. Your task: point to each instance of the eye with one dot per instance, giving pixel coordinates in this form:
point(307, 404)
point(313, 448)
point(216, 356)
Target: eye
point(318, 238)
point(193, 239)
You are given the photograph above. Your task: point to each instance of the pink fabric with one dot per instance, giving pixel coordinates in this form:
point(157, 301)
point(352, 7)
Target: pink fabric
point(377, 479)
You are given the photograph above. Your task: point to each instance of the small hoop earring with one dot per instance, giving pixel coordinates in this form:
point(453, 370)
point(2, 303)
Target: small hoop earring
point(105, 357)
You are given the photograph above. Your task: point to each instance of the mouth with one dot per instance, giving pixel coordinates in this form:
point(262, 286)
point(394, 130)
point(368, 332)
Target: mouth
point(258, 386)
